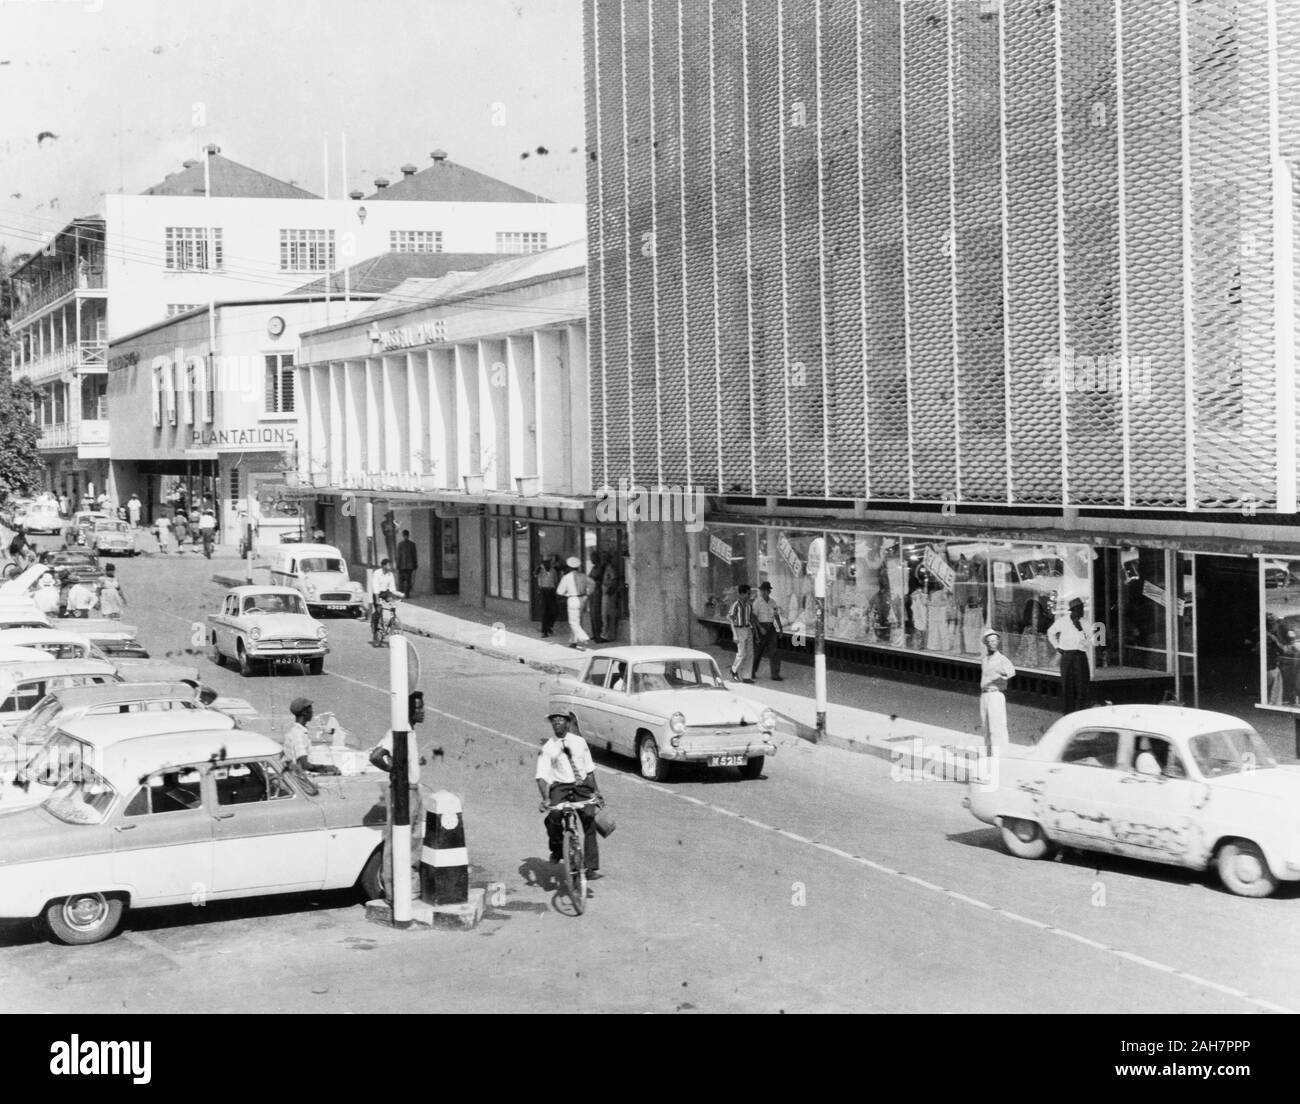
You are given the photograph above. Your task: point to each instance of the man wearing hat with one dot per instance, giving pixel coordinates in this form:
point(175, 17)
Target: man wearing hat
point(1072, 636)
point(995, 670)
point(740, 617)
point(381, 756)
point(297, 741)
point(767, 630)
point(573, 589)
point(565, 772)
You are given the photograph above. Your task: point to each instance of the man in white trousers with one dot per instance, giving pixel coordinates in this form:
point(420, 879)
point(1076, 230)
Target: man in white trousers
point(573, 589)
point(996, 669)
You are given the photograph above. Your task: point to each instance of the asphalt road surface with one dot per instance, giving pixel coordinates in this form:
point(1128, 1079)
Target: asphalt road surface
point(825, 886)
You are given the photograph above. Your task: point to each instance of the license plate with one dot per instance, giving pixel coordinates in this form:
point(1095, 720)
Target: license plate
point(336, 607)
point(726, 760)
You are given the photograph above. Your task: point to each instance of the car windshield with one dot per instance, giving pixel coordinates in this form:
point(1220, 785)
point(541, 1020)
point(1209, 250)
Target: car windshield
point(61, 758)
point(273, 603)
point(35, 728)
point(110, 527)
point(321, 563)
point(675, 674)
point(84, 798)
point(1233, 751)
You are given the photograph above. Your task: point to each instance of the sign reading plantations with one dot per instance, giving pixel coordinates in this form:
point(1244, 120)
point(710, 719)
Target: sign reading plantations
point(260, 435)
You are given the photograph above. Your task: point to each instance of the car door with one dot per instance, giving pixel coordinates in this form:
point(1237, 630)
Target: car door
point(1157, 817)
point(588, 699)
point(622, 715)
point(162, 839)
point(267, 836)
point(224, 625)
point(1080, 791)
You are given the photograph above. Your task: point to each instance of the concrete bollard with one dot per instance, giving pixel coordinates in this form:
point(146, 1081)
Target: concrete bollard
point(444, 859)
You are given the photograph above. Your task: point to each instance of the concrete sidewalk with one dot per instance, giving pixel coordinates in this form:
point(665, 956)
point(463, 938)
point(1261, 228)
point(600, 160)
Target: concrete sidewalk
point(910, 725)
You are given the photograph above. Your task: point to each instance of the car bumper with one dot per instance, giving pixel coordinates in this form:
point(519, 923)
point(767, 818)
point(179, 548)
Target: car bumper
point(270, 650)
point(350, 604)
point(701, 748)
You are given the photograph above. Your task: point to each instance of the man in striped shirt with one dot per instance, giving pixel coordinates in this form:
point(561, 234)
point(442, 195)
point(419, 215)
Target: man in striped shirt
point(741, 618)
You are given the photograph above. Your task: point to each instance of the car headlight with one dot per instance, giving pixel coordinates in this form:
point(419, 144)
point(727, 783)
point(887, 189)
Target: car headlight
point(310, 588)
point(255, 632)
point(677, 722)
point(320, 632)
point(767, 720)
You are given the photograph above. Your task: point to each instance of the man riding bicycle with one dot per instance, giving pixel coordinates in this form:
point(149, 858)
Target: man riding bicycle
point(565, 772)
point(383, 596)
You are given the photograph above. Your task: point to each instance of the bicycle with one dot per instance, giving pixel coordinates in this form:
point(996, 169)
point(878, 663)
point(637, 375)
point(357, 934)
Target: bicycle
point(573, 866)
point(387, 623)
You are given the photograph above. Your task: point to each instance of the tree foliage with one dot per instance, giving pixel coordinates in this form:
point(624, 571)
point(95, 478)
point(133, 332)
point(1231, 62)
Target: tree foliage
point(21, 468)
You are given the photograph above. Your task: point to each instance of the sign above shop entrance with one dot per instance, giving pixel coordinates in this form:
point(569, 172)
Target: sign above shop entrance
point(426, 333)
point(261, 435)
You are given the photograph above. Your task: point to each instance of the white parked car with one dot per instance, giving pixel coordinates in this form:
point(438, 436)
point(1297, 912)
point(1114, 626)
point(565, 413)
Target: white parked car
point(261, 625)
point(664, 706)
point(1182, 786)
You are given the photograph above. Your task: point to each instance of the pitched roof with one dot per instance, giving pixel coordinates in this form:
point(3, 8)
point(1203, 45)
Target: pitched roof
point(447, 182)
point(387, 270)
point(229, 179)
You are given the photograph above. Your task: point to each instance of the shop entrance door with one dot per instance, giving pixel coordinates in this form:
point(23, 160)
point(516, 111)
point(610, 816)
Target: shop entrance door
point(1226, 604)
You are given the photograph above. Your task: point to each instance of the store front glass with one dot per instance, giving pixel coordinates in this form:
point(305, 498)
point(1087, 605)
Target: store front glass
point(888, 590)
point(1280, 631)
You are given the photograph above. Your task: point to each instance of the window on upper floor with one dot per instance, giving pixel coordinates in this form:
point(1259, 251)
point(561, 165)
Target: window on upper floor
point(415, 241)
point(306, 250)
point(173, 309)
point(188, 247)
point(519, 241)
point(279, 383)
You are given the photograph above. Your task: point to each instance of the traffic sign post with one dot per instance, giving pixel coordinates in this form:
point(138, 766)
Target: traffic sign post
point(399, 666)
point(817, 568)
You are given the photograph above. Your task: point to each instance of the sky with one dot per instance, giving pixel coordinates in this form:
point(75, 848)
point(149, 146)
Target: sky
point(129, 89)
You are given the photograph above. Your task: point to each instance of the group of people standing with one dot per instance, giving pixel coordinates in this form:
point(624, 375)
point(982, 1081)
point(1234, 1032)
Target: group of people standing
point(200, 525)
point(595, 591)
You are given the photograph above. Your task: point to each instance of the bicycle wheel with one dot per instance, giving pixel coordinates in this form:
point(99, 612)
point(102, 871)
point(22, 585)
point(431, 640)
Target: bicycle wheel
point(573, 856)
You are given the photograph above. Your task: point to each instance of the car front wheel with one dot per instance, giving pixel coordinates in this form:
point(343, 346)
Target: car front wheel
point(1244, 870)
point(84, 917)
point(372, 876)
point(1024, 838)
point(245, 664)
point(316, 666)
point(652, 766)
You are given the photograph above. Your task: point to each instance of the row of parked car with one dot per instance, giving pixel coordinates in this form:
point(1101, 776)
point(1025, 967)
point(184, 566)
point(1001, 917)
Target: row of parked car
point(126, 783)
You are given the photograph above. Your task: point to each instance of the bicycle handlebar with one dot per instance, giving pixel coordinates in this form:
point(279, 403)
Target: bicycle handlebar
point(575, 805)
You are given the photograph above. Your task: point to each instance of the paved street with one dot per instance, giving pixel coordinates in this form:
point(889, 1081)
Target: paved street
point(826, 886)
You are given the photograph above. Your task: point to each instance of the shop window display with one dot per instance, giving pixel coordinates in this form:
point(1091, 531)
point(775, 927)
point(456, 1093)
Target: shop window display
point(1280, 582)
point(900, 592)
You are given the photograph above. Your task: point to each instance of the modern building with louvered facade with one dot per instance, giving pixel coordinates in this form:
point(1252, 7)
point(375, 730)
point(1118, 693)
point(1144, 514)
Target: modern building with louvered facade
point(996, 299)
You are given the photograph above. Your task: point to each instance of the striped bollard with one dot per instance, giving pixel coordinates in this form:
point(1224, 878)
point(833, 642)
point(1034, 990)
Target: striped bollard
point(444, 860)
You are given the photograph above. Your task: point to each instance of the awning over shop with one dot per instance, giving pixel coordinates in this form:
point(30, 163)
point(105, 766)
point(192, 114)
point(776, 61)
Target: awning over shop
point(443, 498)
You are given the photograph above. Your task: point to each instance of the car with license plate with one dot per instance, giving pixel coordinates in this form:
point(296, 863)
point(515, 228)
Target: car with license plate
point(111, 537)
point(75, 741)
point(1186, 787)
point(664, 706)
point(320, 574)
point(23, 685)
point(265, 626)
point(146, 819)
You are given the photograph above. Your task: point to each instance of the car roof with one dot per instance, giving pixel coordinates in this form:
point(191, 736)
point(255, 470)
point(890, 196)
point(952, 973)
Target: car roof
point(11, 676)
point(649, 652)
point(75, 697)
point(128, 760)
point(105, 730)
point(244, 591)
point(305, 549)
point(13, 653)
point(1161, 720)
point(50, 635)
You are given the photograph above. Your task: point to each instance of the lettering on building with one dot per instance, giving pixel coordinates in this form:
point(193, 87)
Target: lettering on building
point(262, 435)
point(426, 333)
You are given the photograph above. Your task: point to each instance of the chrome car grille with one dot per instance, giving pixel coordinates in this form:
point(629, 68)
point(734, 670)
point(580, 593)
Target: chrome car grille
point(341, 596)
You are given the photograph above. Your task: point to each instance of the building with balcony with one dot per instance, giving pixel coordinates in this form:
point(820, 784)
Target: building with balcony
point(458, 405)
point(59, 326)
point(981, 305)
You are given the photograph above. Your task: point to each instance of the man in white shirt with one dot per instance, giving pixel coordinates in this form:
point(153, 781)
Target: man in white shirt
point(381, 583)
point(995, 670)
point(381, 756)
point(1071, 636)
point(208, 531)
point(573, 589)
point(81, 600)
point(565, 772)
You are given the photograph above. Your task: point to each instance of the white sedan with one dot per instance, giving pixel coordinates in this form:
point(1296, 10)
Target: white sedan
point(1186, 787)
point(664, 706)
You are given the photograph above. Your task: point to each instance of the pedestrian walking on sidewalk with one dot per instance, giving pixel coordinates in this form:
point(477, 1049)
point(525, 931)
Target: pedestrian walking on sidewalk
point(767, 631)
point(611, 585)
point(208, 531)
point(162, 527)
point(595, 596)
point(133, 508)
point(740, 617)
point(995, 670)
point(548, 578)
point(1071, 636)
point(573, 589)
point(408, 561)
point(111, 599)
point(388, 527)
